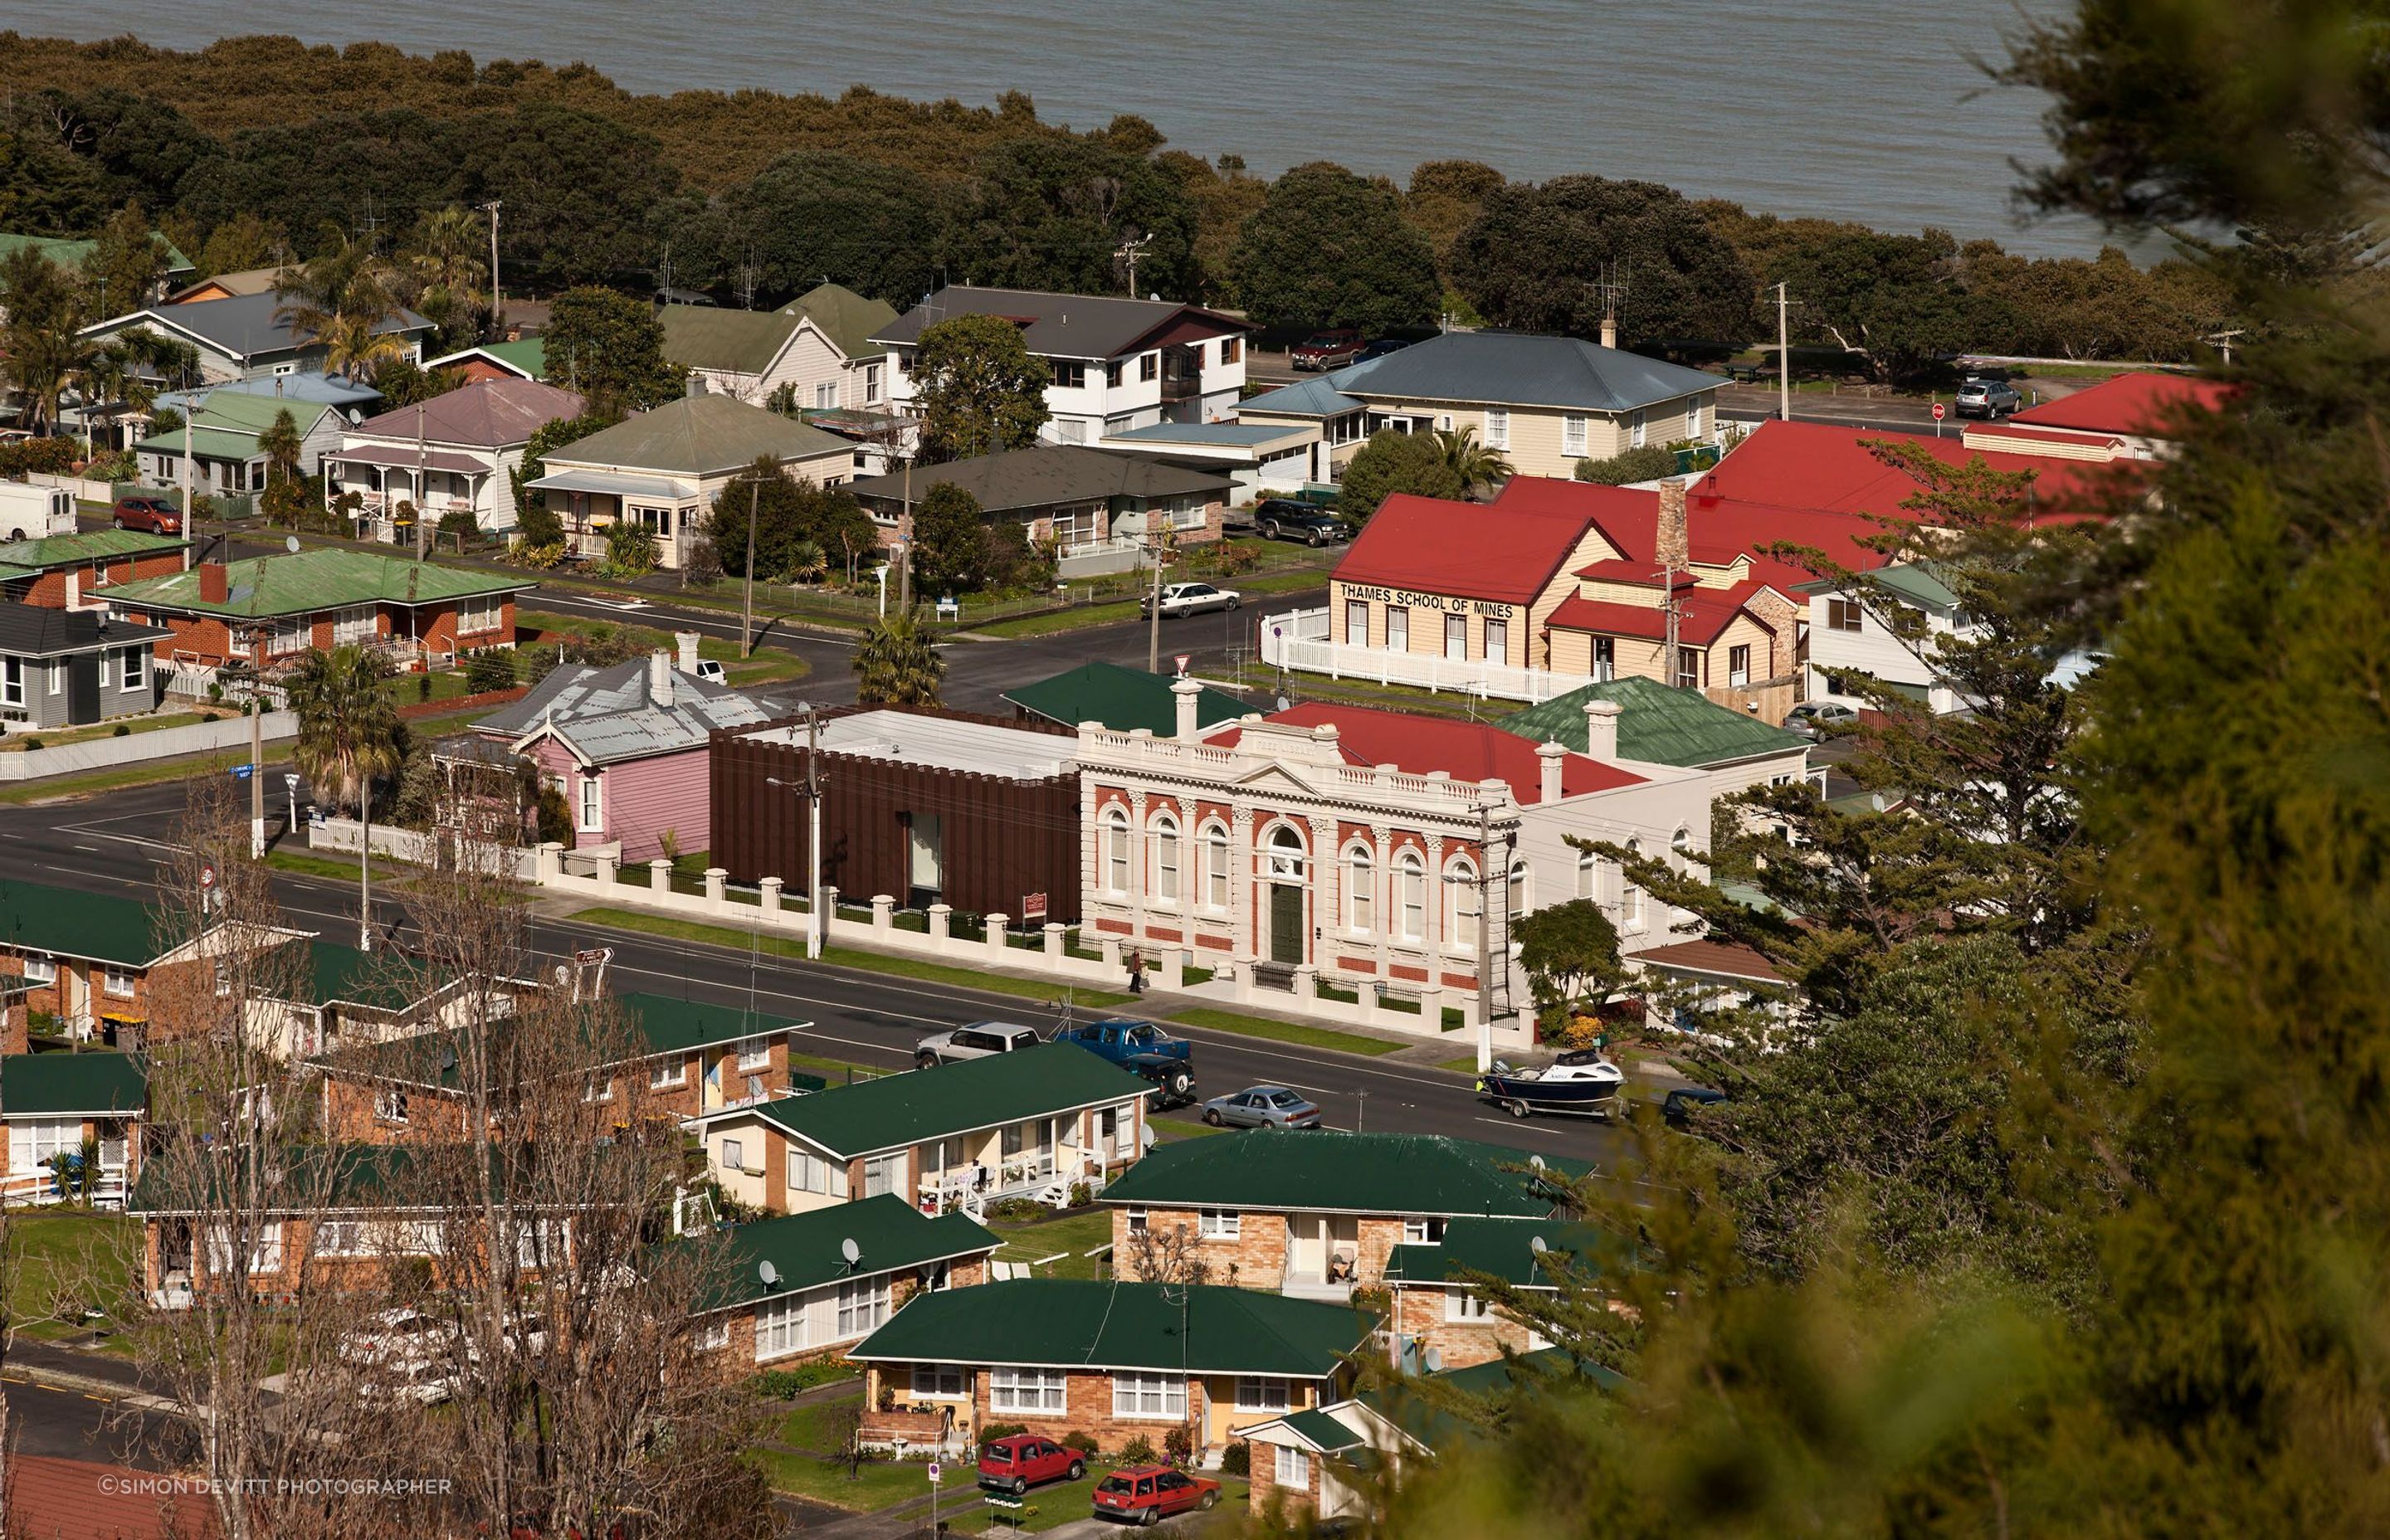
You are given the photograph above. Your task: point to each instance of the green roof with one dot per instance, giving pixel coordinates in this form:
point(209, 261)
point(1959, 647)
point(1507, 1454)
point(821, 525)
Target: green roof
point(1083, 1324)
point(343, 975)
point(734, 341)
point(527, 356)
point(1919, 584)
point(697, 436)
point(1322, 1432)
point(210, 443)
point(902, 1110)
point(1121, 698)
point(73, 550)
point(1657, 724)
point(1315, 1170)
point(848, 319)
point(33, 1083)
point(68, 922)
point(807, 1249)
point(317, 1178)
point(228, 424)
point(1504, 1247)
point(1438, 1428)
point(305, 581)
point(69, 250)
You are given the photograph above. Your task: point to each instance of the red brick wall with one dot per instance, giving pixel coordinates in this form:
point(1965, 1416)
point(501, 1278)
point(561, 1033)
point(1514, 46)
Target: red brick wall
point(1087, 1396)
point(49, 590)
point(1420, 1313)
point(1260, 1250)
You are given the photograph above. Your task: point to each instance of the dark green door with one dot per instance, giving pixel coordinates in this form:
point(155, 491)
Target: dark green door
point(1286, 924)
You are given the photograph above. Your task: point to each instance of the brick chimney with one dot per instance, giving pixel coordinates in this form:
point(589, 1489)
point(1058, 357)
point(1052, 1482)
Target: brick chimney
point(215, 586)
point(1601, 729)
point(1184, 694)
point(660, 679)
point(1549, 758)
point(1675, 543)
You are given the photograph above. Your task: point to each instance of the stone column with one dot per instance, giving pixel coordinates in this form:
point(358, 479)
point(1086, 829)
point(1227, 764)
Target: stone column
point(942, 917)
point(659, 876)
point(716, 896)
point(996, 943)
point(771, 887)
point(1244, 936)
point(883, 914)
point(548, 863)
point(1053, 943)
point(610, 867)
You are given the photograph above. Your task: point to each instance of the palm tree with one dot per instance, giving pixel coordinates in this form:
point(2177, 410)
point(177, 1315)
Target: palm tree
point(1473, 462)
point(116, 379)
point(281, 445)
point(898, 665)
point(338, 300)
point(348, 732)
point(448, 255)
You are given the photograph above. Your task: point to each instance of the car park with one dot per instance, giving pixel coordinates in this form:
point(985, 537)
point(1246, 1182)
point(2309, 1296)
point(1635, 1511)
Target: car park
point(1191, 599)
point(979, 1040)
point(1987, 398)
point(1331, 348)
point(155, 515)
point(1149, 1494)
point(1817, 719)
point(1284, 519)
point(1024, 1460)
point(1262, 1107)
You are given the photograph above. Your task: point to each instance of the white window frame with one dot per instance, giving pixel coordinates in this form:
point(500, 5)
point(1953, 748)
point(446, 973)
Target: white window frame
point(667, 1073)
point(1356, 622)
point(1138, 1398)
point(1360, 889)
point(1639, 433)
point(291, 634)
point(1422, 1232)
point(1219, 1224)
point(942, 1382)
point(1498, 428)
point(712, 1334)
point(1693, 419)
point(355, 624)
point(589, 804)
point(57, 673)
point(32, 1141)
point(825, 395)
point(808, 1172)
point(1216, 866)
point(41, 969)
point(1845, 615)
point(118, 984)
point(1574, 435)
point(1630, 897)
point(1410, 896)
point(1030, 1391)
point(1263, 1392)
point(391, 1105)
point(265, 1250)
point(871, 384)
point(1461, 914)
point(12, 681)
point(1456, 639)
point(1518, 893)
point(1497, 640)
point(883, 1174)
point(340, 1238)
point(1165, 859)
point(734, 1153)
point(1398, 628)
point(781, 1327)
point(1459, 1304)
point(487, 612)
point(1115, 850)
point(754, 1053)
point(131, 669)
point(1293, 1466)
point(862, 1307)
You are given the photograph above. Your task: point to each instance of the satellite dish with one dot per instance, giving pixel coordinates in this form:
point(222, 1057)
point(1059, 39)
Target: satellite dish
point(1284, 705)
point(1535, 1244)
point(850, 1251)
point(291, 544)
point(769, 1274)
point(563, 972)
point(1434, 1361)
point(1537, 1161)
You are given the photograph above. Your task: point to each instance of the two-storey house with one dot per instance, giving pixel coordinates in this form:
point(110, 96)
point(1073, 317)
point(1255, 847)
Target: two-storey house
point(817, 347)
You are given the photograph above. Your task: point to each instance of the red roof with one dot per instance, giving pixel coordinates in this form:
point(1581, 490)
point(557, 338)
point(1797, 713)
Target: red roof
point(2140, 404)
point(1468, 751)
point(1502, 551)
point(1726, 960)
point(68, 1499)
point(1816, 465)
point(1705, 613)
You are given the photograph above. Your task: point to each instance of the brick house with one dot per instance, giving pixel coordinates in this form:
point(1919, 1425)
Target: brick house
point(271, 608)
point(1307, 1463)
point(51, 1103)
point(91, 960)
point(1085, 501)
point(1434, 1308)
point(818, 1302)
point(74, 572)
point(341, 997)
point(688, 1059)
point(1317, 1214)
point(1031, 1124)
point(1115, 1360)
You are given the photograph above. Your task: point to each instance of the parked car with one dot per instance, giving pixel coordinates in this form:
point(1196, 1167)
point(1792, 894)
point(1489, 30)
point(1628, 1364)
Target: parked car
point(1191, 599)
point(1261, 1107)
point(153, 514)
point(1380, 348)
point(1814, 719)
point(1327, 350)
point(980, 1040)
point(405, 1354)
point(1141, 1046)
point(1149, 1494)
point(1988, 398)
point(1024, 1460)
point(1284, 519)
point(1680, 1107)
point(711, 671)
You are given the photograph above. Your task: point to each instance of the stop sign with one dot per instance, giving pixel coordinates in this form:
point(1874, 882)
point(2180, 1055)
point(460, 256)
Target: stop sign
point(1937, 411)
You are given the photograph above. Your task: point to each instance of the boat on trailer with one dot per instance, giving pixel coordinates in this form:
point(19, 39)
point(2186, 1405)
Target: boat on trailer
point(1582, 1083)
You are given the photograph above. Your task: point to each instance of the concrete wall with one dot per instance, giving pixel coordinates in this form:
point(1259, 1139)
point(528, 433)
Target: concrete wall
point(101, 752)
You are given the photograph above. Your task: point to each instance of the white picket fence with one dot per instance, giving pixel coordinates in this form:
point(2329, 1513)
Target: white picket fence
point(1299, 641)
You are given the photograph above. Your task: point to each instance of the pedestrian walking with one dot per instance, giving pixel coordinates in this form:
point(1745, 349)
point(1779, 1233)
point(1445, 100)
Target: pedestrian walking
point(1135, 972)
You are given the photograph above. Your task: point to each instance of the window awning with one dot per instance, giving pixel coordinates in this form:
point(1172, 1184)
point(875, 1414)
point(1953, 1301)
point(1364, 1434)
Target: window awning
point(613, 483)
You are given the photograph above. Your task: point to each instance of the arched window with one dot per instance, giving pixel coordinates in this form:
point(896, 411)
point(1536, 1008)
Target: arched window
point(1360, 889)
point(1165, 858)
point(1514, 898)
point(1630, 901)
point(1115, 852)
point(1460, 913)
point(1285, 855)
point(1215, 866)
point(1681, 844)
point(1410, 895)
point(1585, 870)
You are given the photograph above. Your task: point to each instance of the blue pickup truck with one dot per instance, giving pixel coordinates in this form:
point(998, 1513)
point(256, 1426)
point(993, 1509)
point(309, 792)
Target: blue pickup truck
point(1143, 1049)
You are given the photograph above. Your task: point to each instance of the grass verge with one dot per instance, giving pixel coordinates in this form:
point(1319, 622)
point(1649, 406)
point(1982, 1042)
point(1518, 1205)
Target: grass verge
point(321, 866)
point(1060, 620)
point(877, 1484)
point(1286, 1031)
point(52, 786)
point(1074, 1236)
point(1466, 1064)
point(61, 1257)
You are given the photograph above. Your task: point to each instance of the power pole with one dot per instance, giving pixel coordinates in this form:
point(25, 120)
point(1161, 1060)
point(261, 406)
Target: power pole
point(747, 604)
point(904, 547)
point(1484, 939)
point(493, 206)
point(257, 752)
point(422, 519)
point(813, 832)
point(1153, 617)
point(1783, 357)
point(1128, 252)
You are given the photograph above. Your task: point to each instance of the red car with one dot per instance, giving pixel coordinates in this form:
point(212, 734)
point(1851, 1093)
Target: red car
point(1024, 1460)
point(154, 514)
point(1327, 350)
point(1149, 1494)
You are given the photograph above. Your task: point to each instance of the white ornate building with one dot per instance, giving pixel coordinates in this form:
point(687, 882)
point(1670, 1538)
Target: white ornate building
point(1351, 846)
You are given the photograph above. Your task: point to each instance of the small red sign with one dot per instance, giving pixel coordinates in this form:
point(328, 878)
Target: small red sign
point(1182, 660)
point(1937, 411)
point(1033, 906)
point(207, 877)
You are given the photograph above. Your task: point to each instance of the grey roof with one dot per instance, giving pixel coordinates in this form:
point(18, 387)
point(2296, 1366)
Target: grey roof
point(1060, 326)
point(489, 414)
point(32, 630)
point(1047, 474)
point(1316, 397)
point(608, 716)
point(616, 483)
point(941, 741)
point(700, 435)
point(244, 325)
point(1225, 435)
point(312, 388)
point(1506, 367)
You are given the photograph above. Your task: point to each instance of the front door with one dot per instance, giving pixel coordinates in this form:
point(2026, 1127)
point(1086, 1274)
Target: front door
point(1286, 924)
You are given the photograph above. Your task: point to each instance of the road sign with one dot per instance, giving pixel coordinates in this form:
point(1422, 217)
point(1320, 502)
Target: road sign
point(1937, 411)
point(937, 1472)
point(1033, 907)
point(242, 772)
point(1182, 660)
point(207, 877)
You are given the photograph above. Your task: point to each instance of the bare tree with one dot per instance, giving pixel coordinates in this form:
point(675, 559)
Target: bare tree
point(1166, 1253)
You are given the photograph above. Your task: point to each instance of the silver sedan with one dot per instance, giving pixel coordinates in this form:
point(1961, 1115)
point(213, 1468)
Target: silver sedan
point(1261, 1107)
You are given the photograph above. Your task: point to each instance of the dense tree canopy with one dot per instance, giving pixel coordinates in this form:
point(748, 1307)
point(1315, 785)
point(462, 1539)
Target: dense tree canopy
point(979, 388)
point(1041, 213)
point(610, 347)
point(813, 215)
point(1392, 462)
point(1331, 249)
point(1536, 257)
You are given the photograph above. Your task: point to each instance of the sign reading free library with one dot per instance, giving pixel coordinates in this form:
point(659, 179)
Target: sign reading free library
point(1412, 600)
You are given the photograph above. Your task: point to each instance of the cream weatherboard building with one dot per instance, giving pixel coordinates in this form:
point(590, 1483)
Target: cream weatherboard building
point(818, 346)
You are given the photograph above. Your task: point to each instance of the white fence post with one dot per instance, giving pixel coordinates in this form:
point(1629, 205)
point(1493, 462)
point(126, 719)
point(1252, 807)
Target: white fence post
point(659, 876)
point(771, 888)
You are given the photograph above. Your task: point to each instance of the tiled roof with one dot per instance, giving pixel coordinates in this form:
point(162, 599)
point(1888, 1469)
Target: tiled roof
point(1044, 475)
point(1074, 1323)
point(57, 1498)
point(88, 546)
point(1058, 326)
point(608, 716)
point(1468, 751)
point(59, 1083)
point(2141, 402)
point(1657, 724)
point(1366, 1174)
point(807, 1249)
point(901, 1109)
point(1507, 552)
point(699, 435)
point(848, 319)
point(1121, 698)
point(69, 922)
point(305, 582)
point(488, 414)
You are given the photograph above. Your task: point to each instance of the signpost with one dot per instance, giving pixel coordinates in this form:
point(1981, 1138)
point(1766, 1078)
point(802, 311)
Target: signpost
point(242, 772)
point(1182, 659)
point(1937, 419)
point(207, 887)
point(937, 1474)
point(1033, 908)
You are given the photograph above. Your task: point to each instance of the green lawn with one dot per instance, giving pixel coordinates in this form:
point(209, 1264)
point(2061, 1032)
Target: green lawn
point(1047, 1507)
point(879, 1483)
point(22, 739)
point(1167, 1129)
point(1074, 1236)
point(769, 665)
point(835, 1071)
point(330, 866)
point(1080, 618)
point(1286, 1031)
point(1280, 583)
point(1466, 1064)
point(93, 1256)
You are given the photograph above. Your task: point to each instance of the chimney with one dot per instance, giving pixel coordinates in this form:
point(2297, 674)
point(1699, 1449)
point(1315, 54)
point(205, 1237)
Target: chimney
point(696, 384)
point(1184, 693)
point(1550, 757)
point(1610, 331)
point(214, 588)
point(686, 641)
point(1674, 544)
point(660, 679)
point(1601, 729)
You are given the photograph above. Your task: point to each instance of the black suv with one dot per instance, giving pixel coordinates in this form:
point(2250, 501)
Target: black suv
point(1284, 519)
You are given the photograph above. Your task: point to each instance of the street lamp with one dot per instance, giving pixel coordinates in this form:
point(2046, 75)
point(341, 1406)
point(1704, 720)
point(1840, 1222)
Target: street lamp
point(884, 591)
